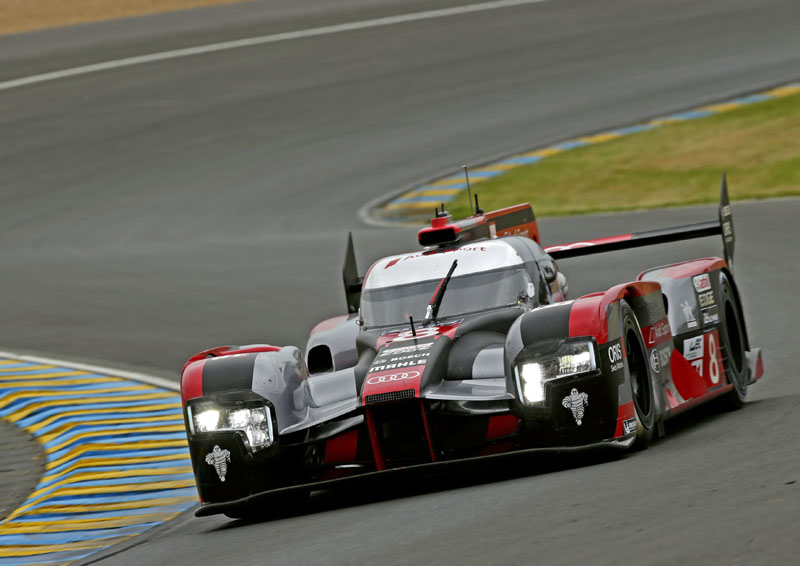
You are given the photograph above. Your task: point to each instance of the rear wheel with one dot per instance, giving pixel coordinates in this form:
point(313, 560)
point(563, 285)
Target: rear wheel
point(733, 346)
point(641, 384)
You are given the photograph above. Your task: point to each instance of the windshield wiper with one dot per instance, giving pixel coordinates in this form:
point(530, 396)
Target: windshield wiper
point(436, 301)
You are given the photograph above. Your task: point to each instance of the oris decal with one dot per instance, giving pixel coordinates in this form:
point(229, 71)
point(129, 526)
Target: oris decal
point(615, 356)
point(393, 377)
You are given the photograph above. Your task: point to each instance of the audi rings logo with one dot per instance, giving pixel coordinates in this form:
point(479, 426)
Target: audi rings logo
point(393, 377)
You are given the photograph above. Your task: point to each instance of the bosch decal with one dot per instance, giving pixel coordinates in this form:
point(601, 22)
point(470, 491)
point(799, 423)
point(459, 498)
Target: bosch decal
point(393, 377)
point(655, 364)
point(702, 282)
point(410, 357)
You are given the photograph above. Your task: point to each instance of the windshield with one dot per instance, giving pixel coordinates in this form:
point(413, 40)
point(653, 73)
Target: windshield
point(466, 294)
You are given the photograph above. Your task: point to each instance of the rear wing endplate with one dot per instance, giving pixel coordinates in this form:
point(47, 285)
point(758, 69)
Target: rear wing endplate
point(723, 226)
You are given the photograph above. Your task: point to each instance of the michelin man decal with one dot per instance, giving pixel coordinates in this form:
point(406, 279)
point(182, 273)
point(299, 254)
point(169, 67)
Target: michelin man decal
point(577, 402)
point(219, 459)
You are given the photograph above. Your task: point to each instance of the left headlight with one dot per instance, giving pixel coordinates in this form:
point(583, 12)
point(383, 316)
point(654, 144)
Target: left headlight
point(533, 372)
point(254, 422)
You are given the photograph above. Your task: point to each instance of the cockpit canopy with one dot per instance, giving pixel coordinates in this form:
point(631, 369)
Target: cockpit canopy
point(490, 274)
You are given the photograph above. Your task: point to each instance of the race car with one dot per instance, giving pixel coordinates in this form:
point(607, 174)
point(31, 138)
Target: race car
point(468, 348)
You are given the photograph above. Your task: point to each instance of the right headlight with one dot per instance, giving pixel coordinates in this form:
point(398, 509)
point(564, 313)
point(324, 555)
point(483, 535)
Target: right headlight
point(534, 371)
point(255, 423)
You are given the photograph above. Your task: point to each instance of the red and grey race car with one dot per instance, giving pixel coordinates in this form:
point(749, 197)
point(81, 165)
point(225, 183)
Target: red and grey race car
point(467, 348)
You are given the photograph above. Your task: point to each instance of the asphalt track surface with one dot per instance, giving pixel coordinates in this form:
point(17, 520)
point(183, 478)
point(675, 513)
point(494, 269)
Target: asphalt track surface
point(153, 211)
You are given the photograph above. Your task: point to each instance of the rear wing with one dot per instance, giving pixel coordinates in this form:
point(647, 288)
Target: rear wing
point(723, 226)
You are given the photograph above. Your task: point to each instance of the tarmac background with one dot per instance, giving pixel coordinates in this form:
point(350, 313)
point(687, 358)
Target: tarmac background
point(154, 211)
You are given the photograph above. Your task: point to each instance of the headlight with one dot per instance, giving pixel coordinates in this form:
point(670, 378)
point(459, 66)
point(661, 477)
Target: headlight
point(571, 358)
point(254, 422)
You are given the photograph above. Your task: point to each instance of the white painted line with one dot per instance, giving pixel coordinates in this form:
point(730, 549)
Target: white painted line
point(264, 39)
point(112, 372)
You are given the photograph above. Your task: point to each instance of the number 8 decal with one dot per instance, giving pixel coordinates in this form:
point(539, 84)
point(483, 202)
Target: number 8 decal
point(713, 364)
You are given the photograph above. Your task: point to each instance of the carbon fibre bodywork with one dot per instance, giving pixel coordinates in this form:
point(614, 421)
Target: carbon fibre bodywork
point(543, 372)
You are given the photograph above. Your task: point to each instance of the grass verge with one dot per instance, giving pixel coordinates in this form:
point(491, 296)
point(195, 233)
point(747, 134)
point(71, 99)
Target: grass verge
point(674, 165)
point(27, 15)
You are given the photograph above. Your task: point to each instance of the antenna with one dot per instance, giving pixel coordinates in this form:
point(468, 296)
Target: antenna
point(469, 191)
point(478, 209)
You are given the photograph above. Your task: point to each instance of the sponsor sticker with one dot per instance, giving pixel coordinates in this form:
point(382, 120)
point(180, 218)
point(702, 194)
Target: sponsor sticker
point(416, 334)
point(219, 458)
point(615, 356)
point(693, 348)
point(655, 364)
point(407, 357)
point(711, 315)
point(658, 332)
point(398, 365)
point(406, 349)
point(702, 282)
point(659, 358)
point(688, 312)
point(577, 403)
point(393, 377)
point(706, 299)
point(629, 426)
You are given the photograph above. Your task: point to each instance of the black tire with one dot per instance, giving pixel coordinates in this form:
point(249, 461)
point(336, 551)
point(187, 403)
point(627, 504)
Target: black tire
point(640, 379)
point(734, 345)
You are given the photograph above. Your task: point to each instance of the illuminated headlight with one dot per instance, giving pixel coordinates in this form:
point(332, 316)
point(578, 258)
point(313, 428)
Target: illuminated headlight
point(571, 358)
point(254, 422)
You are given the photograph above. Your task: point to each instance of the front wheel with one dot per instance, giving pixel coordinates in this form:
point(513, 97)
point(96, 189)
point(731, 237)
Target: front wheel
point(641, 383)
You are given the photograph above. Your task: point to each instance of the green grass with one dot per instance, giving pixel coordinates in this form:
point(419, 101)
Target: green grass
point(678, 164)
